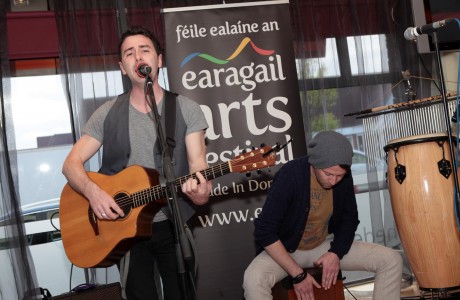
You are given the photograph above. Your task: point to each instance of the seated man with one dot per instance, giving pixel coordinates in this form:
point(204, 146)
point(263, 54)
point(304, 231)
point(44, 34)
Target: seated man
point(309, 219)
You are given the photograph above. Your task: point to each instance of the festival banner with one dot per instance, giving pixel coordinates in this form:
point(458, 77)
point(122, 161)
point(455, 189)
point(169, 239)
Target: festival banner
point(236, 61)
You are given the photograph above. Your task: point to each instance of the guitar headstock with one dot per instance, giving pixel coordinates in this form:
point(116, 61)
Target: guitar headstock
point(261, 158)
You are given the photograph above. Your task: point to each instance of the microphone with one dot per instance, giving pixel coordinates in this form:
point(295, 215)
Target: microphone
point(143, 70)
point(412, 33)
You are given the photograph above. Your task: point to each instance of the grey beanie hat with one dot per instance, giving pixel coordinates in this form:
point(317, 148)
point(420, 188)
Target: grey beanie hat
point(329, 148)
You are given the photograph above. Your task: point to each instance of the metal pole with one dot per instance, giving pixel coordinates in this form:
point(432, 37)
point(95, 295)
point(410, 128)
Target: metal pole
point(447, 120)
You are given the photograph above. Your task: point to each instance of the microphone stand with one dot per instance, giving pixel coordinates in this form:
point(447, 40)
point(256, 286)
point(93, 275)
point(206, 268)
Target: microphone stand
point(183, 250)
point(447, 120)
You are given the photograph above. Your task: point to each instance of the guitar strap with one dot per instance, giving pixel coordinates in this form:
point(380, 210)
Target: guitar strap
point(170, 122)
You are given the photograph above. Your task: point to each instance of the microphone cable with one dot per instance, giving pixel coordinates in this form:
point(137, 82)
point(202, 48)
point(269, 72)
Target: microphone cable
point(457, 127)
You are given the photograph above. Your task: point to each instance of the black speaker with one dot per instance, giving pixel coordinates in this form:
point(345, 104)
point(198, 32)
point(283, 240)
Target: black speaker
point(110, 291)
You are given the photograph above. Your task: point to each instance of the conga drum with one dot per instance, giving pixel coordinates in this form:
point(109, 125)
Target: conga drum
point(421, 186)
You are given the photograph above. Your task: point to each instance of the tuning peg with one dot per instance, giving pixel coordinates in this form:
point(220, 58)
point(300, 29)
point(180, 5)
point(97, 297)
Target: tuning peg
point(244, 151)
point(248, 174)
point(253, 148)
point(262, 145)
point(259, 171)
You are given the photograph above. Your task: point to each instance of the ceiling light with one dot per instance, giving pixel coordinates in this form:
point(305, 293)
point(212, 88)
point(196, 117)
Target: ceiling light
point(21, 2)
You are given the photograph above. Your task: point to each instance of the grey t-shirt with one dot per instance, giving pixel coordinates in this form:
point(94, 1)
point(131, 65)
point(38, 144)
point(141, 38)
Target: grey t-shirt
point(142, 130)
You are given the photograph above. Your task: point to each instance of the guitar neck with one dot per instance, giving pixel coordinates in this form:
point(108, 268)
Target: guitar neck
point(159, 192)
point(246, 162)
point(208, 173)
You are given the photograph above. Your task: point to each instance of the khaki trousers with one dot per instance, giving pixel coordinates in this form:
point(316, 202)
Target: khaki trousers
point(263, 272)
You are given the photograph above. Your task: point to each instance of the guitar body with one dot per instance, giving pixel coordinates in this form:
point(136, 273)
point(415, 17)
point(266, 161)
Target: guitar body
point(87, 248)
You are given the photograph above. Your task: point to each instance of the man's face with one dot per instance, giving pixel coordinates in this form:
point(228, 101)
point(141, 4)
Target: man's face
point(329, 177)
point(136, 50)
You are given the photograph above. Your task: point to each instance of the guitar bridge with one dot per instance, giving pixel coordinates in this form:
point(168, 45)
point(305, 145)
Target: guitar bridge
point(93, 221)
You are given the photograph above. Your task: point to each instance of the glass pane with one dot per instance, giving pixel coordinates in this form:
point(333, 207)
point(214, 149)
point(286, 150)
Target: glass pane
point(39, 108)
point(102, 84)
point(320, 67)
point(368, 54)
point(43, 135)
point(326, 109)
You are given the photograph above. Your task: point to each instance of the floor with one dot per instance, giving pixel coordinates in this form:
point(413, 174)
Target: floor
point(364, 292)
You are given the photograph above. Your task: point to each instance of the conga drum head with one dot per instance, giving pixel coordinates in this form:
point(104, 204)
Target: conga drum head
point(422, 198)
point(416, 139)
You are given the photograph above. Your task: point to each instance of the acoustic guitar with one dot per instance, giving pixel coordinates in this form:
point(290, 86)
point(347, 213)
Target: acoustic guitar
point(90, 242)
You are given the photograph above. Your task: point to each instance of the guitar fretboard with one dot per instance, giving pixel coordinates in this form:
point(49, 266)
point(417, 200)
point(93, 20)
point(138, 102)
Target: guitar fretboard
point(159, 192)
point(254, 160)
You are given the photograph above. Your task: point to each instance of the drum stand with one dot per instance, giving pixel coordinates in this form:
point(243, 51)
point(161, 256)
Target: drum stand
point(440, 294)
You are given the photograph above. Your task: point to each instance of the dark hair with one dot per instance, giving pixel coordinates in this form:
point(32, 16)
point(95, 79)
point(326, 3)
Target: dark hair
point(139, 30)
point(346, 168)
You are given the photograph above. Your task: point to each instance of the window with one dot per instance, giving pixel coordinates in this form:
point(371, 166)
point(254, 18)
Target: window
point(368, 54)
point(39, 108)
point(319, 67)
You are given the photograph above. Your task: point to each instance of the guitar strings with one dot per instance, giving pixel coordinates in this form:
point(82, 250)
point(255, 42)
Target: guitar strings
point(138, 198)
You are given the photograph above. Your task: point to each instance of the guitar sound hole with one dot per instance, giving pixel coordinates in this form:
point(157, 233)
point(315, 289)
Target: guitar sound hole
point(124, 202)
